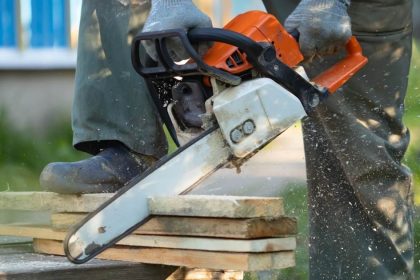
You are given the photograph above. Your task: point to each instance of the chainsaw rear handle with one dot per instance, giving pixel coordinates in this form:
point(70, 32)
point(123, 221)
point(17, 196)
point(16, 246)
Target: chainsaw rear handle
point(337, 75)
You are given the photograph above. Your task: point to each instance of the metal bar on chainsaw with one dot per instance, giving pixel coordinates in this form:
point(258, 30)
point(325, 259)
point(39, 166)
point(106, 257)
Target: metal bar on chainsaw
point(128, 209)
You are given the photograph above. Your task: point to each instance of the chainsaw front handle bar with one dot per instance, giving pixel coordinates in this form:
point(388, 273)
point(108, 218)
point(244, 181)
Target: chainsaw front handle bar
point(166, 67)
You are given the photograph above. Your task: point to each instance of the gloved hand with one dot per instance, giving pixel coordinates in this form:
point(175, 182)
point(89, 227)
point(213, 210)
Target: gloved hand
point(324, 26)
point(170, 14)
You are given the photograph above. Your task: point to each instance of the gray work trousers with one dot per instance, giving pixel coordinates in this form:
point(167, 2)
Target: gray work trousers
point(360, 197)
point(111, 101)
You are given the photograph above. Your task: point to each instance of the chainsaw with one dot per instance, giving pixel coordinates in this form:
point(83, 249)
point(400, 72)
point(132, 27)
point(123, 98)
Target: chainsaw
point(219, 108)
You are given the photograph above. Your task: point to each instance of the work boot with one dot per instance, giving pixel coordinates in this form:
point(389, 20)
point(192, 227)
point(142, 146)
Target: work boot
point(106, 172)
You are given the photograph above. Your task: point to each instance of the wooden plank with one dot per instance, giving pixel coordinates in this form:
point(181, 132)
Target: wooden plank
point(183, 205)
point(64, 221)
point(40, 267)
point(8, 240)
point(184, 273)
point(28, 217)
point(32, 232)
point(197, 226)
point(212, 244)
point(186, 243)
point(188, 258)
point(8, 249)
point(48, 201)
point(217, 206)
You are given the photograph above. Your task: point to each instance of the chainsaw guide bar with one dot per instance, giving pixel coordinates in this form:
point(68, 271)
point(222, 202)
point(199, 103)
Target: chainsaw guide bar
point(128, 209)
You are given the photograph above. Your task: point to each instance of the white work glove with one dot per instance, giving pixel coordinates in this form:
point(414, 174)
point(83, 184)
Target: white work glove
point(324, 26)
point(171, 14)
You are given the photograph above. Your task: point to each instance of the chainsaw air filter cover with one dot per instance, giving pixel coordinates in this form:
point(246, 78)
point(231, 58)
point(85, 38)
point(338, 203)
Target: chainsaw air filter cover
point(254, 112)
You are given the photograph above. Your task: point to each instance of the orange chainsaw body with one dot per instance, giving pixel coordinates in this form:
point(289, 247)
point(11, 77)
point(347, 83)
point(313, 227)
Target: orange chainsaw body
point(260, 27)
point(264, 27)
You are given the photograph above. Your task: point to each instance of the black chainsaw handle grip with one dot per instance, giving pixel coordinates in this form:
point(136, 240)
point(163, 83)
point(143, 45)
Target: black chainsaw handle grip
point(247, 45)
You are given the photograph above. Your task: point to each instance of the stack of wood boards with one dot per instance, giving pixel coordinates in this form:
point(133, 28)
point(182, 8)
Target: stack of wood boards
point(215, 232)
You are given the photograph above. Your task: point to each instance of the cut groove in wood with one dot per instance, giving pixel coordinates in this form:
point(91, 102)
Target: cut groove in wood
point(198, 226)
point(188, 258)
point(185, 243)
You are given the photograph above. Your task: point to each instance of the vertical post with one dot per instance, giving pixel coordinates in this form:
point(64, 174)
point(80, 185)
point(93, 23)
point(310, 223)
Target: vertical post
point(49, 26)
point(39, 24)
point(60, 23)
point(19, 28)
point(67, 22)
point(8, 36)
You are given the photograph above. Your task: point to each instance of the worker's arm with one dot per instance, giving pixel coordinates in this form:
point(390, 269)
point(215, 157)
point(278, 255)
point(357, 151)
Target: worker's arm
point(324, 26)
point(170, 14)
